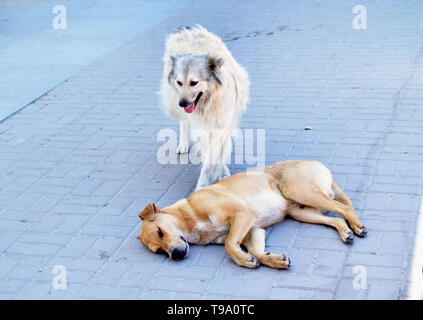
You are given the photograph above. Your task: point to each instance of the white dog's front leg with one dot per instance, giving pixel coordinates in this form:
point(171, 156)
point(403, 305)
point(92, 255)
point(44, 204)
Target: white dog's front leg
point(215, 151)
point(211, 174)
point(183, 137)
point(224, 171)
point(205, 178)
point(221, 147)
point(206, 173)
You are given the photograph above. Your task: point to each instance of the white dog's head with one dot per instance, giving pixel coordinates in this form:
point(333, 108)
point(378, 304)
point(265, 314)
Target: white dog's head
point(194, 78)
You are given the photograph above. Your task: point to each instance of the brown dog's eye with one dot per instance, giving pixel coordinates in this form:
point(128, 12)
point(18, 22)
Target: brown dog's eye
point(193, 83)
point(179, 83)
point(159, 231)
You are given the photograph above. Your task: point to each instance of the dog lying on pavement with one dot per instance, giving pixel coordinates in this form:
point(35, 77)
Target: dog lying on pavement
point(236, 210)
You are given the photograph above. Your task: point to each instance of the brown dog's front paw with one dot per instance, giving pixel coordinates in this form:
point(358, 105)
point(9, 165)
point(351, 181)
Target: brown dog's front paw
point(253, 263)
point(278, 261)
point(248, 261)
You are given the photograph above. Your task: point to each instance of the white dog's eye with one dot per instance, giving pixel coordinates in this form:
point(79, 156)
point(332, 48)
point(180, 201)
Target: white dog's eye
point(179, 83)
point(193, 83)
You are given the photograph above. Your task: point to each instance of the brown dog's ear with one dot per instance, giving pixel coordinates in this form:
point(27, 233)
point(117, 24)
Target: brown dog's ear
point(149, 213)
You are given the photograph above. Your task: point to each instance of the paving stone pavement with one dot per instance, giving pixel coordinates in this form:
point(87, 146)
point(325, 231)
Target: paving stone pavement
point(36, 57)
point(78, 164)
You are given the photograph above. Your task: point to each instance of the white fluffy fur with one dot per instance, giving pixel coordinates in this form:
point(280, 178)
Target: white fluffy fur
point(214, 117)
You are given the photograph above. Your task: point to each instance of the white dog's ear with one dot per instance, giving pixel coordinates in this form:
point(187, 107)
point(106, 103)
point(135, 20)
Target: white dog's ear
point(173, 58)
point(149, 213)
point(214, 63)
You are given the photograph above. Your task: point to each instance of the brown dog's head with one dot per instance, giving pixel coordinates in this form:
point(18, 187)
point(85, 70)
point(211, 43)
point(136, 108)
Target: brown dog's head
point(162, 231)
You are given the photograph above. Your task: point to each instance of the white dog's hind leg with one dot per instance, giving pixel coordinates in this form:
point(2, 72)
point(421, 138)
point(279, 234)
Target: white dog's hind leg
point(183, 137)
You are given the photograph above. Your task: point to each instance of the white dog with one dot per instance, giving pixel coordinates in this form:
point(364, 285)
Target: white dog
point(205, 88)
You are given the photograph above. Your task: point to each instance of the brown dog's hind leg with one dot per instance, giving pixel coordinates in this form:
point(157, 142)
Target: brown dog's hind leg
point(311, 195)
point(240, 226)
point(312, 215)
point(255, 243)
point(357, 226)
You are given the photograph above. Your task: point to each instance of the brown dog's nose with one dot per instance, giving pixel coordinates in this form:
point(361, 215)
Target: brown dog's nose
point(178, 254)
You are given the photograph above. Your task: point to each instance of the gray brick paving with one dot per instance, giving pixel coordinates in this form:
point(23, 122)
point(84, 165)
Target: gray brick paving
point(78, 164)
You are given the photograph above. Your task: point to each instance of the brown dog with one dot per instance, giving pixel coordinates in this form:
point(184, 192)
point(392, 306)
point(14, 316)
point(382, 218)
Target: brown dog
point(236, 210)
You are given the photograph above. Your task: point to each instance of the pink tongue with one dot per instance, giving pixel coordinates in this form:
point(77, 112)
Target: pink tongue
point(190, 109)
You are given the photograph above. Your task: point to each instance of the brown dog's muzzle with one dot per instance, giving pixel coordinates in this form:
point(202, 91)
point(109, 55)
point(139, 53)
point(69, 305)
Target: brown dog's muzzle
point(180, 252)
